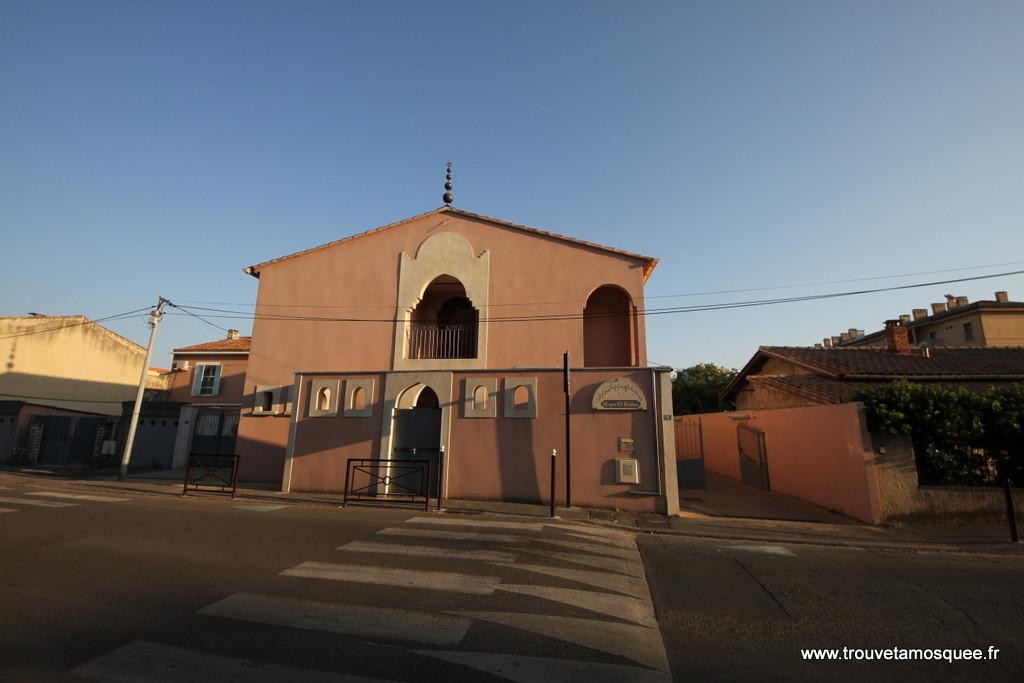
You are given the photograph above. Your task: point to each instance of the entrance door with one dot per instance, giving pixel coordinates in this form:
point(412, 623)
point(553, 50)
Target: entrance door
point(753, 457)
point(418, 434)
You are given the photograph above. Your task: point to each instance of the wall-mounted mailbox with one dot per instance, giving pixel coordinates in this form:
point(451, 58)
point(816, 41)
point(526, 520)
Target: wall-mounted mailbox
point(626, 471)
point(625, 444)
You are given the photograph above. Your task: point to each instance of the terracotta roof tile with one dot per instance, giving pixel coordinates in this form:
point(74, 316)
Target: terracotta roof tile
point(825, 390)
point(239, 344)
point(876, 361)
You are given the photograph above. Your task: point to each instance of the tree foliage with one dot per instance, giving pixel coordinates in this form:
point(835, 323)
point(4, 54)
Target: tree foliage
point(960, 436)
point(695, 389)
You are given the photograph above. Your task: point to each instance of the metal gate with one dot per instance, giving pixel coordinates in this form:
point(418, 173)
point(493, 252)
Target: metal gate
point(753, 457)
point(215, 431)
point(67, 440)
point(689, 435)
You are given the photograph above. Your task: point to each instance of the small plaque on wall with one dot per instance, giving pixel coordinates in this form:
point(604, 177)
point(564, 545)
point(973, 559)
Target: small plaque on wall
point(625, 444)
point(619, 394)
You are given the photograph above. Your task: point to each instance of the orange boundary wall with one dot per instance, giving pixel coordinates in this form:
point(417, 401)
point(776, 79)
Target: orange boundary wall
point(821, 454)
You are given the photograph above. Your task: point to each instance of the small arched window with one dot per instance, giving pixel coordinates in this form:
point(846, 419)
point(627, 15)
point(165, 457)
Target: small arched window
point(359, 398)
point(521, 397)
point(480, 398)
point(323, 399)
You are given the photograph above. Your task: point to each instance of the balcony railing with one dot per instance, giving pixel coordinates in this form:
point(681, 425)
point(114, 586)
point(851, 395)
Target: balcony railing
point(441, 341)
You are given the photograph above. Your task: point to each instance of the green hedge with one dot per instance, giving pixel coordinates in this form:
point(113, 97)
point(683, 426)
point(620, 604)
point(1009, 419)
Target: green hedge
point(960, 437)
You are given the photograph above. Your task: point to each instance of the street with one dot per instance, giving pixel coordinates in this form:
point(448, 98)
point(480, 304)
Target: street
point(104, 586)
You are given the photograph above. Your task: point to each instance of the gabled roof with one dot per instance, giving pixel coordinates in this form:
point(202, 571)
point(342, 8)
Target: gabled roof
point(649, 261)
point(236, 345)
point(65, 321)
point(877, 365)
point(956, 311)
point(826, 391)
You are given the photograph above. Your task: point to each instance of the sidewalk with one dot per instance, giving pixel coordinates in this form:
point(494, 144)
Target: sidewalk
point(977, 538)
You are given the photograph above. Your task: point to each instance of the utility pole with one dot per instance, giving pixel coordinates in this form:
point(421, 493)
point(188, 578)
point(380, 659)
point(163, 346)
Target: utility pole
point(154, 322)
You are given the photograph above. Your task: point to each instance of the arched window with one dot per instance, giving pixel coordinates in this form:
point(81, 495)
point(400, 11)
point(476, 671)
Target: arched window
point(521, 397)
point(359, 398)
point(480, 398)
point(323, 399)
point(608, 329)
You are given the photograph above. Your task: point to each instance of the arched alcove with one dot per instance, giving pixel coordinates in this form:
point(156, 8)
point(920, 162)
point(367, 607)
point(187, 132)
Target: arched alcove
point(444, 323)
point(608, 328)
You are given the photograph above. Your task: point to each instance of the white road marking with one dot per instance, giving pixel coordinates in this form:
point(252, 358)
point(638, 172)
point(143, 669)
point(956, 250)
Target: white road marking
point(765, 549)
point(453, 535)
point(613, 582)
point(367, 622)
point(36, 503)
point(615, 542)
point(620, 606)
point(78, 496)
point(7, 510)
point(610, 564)
point(642, 645)
point(607, 551)
point(531, 669)
point(427, 551)
point(386, 576)
point(594, 531)
point(144, 662)
point(482, 523)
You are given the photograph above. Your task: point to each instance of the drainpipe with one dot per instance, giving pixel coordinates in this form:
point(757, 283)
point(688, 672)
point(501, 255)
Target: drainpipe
point(657, 439)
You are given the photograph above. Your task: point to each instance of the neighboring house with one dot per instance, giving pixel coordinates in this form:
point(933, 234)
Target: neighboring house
point(64, 372)
point(957, 322)
point(789, 377)
point(446, 331)
point(206, 387)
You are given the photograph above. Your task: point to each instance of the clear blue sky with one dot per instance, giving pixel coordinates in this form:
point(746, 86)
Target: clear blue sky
point(159, 147)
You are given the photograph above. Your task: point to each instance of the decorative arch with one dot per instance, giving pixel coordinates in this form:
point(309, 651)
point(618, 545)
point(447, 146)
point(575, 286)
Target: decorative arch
point(444, 258)
point(608, 328)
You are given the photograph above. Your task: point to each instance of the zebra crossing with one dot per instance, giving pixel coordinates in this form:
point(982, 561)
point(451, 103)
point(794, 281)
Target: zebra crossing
point(479, 598)
point(52, 500)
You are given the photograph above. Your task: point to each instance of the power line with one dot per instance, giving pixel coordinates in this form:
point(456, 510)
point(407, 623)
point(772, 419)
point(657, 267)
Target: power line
point(244, 315)
point(652, 296)
point(87, 321)
point(198, 317)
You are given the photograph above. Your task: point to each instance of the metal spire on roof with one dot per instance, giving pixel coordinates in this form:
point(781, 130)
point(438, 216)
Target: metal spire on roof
point(448, 197)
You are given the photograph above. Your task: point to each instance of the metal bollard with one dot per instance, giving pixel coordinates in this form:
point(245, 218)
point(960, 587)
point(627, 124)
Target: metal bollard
point(554, 455)
point(1011, 514)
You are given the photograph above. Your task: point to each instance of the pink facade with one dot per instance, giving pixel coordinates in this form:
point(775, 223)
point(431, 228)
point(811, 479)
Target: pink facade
point(442, 301)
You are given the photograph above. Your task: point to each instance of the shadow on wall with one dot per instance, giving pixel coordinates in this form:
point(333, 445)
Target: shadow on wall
point(516, 452)
point(101, 398)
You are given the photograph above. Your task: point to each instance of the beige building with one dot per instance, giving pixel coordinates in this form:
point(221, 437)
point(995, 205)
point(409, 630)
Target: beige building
point(954, 322)
point(69, 362)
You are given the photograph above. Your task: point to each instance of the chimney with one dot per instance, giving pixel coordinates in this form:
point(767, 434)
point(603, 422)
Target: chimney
point(962, 301)
point(938, 308)
point(920, 313)
point(904, 318)
point(232, 334)
point(844, 336)
point(827, 342)
point(836, 340)
point(1002, 297)
point(951, 301)
point(897, 340)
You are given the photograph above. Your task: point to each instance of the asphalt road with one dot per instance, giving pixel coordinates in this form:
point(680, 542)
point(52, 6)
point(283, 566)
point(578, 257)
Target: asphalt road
point(160, 588)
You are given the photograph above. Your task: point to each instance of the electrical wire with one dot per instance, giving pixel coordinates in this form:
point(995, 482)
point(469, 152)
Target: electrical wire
point(198, 317)
point(87, 321)
point(652, 296)
point(244, 315)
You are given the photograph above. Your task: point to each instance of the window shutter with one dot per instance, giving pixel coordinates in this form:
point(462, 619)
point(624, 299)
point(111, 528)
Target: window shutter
point(197, 379)
point(216, 381)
